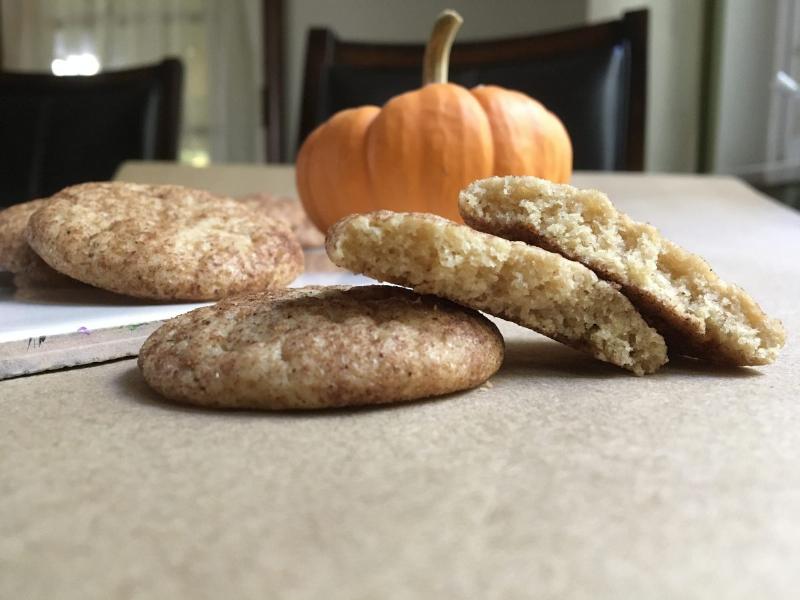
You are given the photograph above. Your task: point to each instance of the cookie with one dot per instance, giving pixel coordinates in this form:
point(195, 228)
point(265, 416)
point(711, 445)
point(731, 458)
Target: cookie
point(320, 347)
point(17, 257)
point(698, 314)
point(291, 212)
point(532, 287)
point(163, 242)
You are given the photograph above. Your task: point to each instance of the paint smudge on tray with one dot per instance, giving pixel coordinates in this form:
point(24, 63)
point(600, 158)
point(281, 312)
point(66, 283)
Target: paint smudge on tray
point(36, 342)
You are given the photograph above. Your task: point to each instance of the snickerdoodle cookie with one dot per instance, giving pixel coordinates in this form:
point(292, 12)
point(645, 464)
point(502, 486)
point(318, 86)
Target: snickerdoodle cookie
point(559, 298)
point(17, 257)
point(163, 242)
point(318, 347)
point(699, 314)
point(291, 212)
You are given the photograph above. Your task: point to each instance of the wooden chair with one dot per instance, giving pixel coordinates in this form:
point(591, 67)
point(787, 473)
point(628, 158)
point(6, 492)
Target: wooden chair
point(592, 77)
point(58, 131)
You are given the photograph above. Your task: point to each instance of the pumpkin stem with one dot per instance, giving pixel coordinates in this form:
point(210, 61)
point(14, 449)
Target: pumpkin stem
point(437, 52)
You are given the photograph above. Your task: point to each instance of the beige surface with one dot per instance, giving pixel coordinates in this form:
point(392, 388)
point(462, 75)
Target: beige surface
point(564, 479)
point(232, 180)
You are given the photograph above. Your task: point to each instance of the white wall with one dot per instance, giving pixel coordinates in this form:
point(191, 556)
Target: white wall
point(673, 79)
point(740, 100)
point(410, 21)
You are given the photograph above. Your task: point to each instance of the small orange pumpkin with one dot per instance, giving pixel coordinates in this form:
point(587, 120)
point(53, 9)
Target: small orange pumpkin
point(424, 146)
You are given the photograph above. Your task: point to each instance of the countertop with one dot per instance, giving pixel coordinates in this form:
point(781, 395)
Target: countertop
point(560, 478)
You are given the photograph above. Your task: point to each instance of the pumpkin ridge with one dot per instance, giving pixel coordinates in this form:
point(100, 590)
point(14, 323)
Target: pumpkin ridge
point(302, 176)
point(492, 139)
point(361, 200)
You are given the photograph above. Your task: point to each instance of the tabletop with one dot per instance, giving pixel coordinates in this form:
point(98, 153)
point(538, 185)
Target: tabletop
point(562, 477)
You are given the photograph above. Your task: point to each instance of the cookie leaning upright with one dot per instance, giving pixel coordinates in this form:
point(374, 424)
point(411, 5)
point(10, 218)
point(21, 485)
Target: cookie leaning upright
point(163, 242)
point(320, 347)
point(699, 314)
point(559, 298)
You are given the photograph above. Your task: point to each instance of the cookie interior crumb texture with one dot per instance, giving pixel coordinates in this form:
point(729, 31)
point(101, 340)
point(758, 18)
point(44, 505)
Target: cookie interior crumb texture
point(317, 347)
point(535, 288)
point(699, 314)
point(163, 242)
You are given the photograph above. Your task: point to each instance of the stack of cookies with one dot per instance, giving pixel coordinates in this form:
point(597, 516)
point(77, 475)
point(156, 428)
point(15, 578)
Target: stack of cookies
point(17, 257)
point(561, 261)
point(566, 263)
point(159, 242)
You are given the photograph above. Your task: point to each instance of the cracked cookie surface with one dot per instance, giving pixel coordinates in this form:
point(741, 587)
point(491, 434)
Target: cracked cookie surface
point(163, 242)
point(319, 347)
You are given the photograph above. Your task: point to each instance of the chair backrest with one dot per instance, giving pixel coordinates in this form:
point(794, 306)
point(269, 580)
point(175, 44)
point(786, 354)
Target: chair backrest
point(592, 77)
point(57, 131)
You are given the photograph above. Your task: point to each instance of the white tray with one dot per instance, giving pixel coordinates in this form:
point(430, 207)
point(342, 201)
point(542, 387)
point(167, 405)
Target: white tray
point(45, 329)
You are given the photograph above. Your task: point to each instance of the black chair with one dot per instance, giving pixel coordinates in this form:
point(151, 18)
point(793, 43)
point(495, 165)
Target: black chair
point(58, 131)
point(592, 77)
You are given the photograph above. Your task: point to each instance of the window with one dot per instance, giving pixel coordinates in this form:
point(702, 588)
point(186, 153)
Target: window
point(218, 42)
